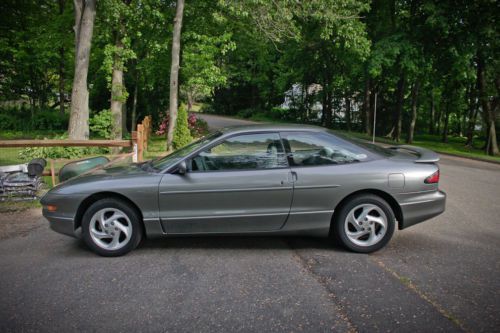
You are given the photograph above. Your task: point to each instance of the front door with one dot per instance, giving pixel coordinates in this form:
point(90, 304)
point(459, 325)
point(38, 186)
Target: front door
point(242, 184)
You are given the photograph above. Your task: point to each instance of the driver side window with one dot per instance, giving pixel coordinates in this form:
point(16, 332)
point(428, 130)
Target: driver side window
point(243, 152)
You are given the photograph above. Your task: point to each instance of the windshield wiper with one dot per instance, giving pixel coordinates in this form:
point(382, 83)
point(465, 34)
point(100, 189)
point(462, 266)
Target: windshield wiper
point(146, 166)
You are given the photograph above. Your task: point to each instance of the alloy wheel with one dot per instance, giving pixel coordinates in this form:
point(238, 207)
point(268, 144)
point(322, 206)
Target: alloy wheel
point(365, 225)
point(110, 229)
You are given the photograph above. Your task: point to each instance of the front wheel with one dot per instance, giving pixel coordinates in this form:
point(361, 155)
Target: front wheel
point(364, 224)
point(111, 227)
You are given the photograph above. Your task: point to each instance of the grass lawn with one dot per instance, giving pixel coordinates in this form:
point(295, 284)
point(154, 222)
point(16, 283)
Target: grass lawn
point(157, 146)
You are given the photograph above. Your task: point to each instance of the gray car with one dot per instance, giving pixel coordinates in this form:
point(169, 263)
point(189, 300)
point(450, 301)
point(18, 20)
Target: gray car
point(259, 180)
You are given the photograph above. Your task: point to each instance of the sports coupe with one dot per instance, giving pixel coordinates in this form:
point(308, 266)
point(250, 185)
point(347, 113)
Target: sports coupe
point(258, 180)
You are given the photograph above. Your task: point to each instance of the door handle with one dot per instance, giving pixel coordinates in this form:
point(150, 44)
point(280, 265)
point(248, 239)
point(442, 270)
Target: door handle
point(294, 176)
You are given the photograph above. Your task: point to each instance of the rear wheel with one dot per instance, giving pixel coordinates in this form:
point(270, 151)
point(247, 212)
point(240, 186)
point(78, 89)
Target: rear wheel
point(364, 224)
point(111, 227)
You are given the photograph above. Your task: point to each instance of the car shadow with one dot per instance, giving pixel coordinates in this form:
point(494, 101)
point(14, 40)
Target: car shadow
point(240, 243)
point(251, 243)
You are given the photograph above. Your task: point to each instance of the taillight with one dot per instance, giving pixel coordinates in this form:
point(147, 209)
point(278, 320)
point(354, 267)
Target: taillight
point(432, 179)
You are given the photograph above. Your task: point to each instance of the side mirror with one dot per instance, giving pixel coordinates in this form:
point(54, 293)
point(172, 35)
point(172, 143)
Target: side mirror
point(182, 168)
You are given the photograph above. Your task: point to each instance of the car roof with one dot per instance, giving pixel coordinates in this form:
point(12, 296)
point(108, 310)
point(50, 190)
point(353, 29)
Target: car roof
point(271, 127)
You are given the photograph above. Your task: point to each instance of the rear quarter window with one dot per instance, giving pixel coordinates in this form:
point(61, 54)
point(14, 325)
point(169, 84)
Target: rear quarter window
point(322, 148)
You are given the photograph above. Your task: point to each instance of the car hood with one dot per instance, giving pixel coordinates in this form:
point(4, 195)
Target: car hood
point(100, 179)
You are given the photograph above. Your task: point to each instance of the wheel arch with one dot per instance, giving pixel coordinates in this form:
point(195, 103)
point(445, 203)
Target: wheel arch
point(396, 208)
point(88, 201)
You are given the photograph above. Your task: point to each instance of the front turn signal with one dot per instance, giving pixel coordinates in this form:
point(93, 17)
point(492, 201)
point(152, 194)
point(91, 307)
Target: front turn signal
point(51, 208)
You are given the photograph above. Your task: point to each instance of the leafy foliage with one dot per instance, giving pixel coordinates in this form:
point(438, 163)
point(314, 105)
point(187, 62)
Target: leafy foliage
point(21, 118)
point(182, 134)
point(315, 61)
point(29, 153)
point(197, 126)
point(101, 124)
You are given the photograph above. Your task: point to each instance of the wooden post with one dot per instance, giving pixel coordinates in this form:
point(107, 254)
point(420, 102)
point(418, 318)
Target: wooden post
point(140, 142)
point(134, 147)
point(52, 173)
point(147, 131)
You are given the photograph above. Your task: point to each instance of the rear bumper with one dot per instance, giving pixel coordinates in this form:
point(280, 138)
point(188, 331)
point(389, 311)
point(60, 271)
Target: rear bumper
point(422, 207)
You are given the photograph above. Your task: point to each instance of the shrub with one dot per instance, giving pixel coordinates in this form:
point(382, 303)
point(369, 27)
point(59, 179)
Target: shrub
point(8, 122)
point(208, 108)
point(101, 124)
point(50, 120)
point(198, 127)
point(20, 119)
point(60, 152)
point(248, 113)
point(182, 134)
point(280, 113)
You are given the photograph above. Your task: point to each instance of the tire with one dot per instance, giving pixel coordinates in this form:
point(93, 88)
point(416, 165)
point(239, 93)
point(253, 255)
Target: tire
point(364, 224)
point(111, 228)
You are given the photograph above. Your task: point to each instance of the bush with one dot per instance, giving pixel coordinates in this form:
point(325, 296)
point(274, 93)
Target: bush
point(200, 128)
point(249, 113)
point(280, 113)
point(8, 122)
point(208, 108)
point(182, 134)
point(101, 124)
point(20, 119)
point(50, 120)
point(197, 127)
point(60, 152)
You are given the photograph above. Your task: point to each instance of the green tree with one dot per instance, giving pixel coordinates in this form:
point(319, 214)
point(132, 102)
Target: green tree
point(182, 135)
point(174, 72)
point(84, 25)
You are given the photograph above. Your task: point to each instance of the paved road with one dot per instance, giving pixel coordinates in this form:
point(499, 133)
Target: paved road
point(216, 122)
point(442, 275)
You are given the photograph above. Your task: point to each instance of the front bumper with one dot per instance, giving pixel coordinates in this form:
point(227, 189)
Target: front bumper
point(419, 208)
point(62, 225)
point(63, 219)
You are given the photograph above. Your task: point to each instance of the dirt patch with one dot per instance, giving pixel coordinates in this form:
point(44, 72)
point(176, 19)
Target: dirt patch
point(19, 222)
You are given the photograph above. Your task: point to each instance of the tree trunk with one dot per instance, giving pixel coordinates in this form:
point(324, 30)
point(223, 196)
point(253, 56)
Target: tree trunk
point(463, 123)
point(413, 120)
point(324, 106)
point(328, 115)
point(124, 119)
point(134, 105)
point(117, 90)
point(489, 112)
point(446, 121)
point(348, 113)
point(174, 72)
point(367, 107)
point(439, 116)
point(398, 111)
point(62, 97)
point(473, 110)
point(78, 128)
point(432, 116)
point(190, 101)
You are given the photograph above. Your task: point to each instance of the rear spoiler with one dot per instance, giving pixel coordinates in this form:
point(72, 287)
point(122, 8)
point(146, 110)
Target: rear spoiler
point(424, 155)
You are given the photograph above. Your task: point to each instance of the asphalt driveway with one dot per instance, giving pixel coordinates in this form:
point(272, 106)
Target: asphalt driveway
point(442, 275)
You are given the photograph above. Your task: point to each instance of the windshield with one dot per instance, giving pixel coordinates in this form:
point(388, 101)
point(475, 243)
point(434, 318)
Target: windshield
point(169, 160)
